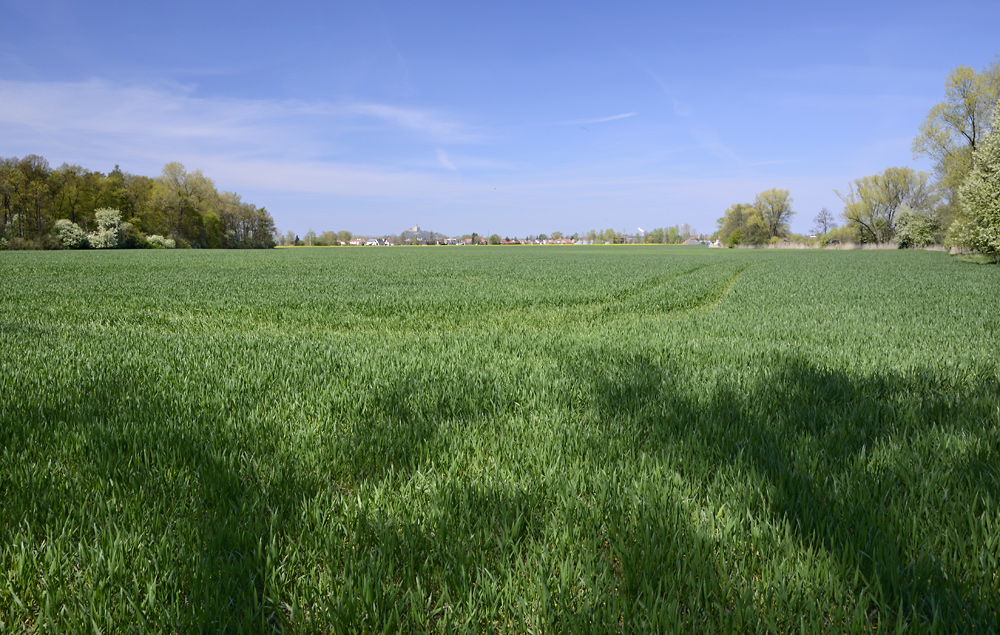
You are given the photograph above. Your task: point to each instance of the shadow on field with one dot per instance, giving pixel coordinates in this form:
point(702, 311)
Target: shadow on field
point(852, 464)
point(210, 504)
point(902, 519)
point(234, 520)
point(502, 559)
point(399, 417)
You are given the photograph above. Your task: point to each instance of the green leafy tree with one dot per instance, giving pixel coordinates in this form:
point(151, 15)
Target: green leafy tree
point(31, 196)
point(978, 225)
point(775, 209)
point(872, 202)
point(70, 191)
point(10, 184)
point(214, 235)
point(953, 129)
point(136, 195)
point(184, 197)
point(742, 225)
point(494, 239)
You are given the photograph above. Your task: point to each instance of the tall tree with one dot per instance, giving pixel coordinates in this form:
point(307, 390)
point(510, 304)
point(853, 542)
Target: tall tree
point(872, 202)
point(11, 182)
point(113, 192)
point(33, 196)
point(71, 192)
point(137, 202)
point(824, 221)
point(185, 197)
point(775, 209)
point(954, 127)
point(742, 225)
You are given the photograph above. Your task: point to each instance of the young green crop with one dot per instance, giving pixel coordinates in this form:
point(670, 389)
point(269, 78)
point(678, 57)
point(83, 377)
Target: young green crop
point(499, 440)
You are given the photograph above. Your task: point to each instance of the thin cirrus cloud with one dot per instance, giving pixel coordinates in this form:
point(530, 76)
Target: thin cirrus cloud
point(167, 115)
point(581, 122)
point(330, 179)
point(445, 161)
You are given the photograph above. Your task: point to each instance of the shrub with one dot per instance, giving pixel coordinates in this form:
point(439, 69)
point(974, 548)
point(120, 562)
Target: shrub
point(914, 229)
point(159, 242)
point(109, 226)
point(978, 226)
point(131, 238)
point(69, 234)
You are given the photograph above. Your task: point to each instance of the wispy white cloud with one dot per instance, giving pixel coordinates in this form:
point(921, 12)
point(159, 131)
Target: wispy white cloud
point(757, 164)
point(680, 108)
point(168, 115)
point(710, 141)
point(445, 161)
point(624, 115)
point(332, 179)
point(427, 123)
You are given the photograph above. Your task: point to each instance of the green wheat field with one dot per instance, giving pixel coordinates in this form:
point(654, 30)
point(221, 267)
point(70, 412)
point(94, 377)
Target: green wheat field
point(511, 440)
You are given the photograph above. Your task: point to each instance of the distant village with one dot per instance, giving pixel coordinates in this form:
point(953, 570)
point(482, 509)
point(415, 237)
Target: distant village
point(676, 235)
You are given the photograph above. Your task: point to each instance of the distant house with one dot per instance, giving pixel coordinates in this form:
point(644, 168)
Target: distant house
point(692, 241)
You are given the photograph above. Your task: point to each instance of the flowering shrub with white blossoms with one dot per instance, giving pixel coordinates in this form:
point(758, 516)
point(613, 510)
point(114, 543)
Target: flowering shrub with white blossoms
point(160, 242)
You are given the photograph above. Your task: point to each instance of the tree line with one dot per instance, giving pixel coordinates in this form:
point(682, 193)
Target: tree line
point(958, 205)
point(72, 207)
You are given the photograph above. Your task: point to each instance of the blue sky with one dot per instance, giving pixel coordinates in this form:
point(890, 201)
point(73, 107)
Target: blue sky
point(508, 117)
